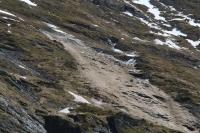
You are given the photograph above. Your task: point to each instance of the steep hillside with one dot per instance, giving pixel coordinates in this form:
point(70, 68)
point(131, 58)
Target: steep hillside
point(99, 66)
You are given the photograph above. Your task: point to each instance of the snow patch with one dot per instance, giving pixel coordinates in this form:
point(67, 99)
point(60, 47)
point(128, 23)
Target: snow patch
point(171, 44)
point(29, 2)
point(23, 67)
point(184, 17)
point(23, 77)
point(132, 54)
point(138, 39)
point(160, 34)
point(175, 32)
point(188, 19)
point(168, 42)
point(7, 18)
point(167, 25)
point(151, 8)
point(95, 25)
point(131, 62)
point(177, 19)
point(128, 13)
point(193, 23)
point(65, 110)
point(9, 28)
point(159, 42)
point(9, 31)
point(151, 25)
point(55, 28)
point(97, 102)
point(66, 35)
point(194, 43)
point(117, 51)
point(78, 98)
point(7, 13)
point(18, 76)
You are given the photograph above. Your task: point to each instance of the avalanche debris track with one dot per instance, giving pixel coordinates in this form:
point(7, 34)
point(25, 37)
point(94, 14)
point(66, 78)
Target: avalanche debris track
point(135, 96)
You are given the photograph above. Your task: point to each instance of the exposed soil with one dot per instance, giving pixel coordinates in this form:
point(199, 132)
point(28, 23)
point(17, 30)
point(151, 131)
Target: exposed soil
point(134, 96)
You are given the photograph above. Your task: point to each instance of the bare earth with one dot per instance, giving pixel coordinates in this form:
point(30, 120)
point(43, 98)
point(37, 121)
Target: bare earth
point(134, 96)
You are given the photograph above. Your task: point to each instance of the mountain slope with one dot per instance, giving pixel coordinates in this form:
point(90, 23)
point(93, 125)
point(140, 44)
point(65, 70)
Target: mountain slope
point(114, 66)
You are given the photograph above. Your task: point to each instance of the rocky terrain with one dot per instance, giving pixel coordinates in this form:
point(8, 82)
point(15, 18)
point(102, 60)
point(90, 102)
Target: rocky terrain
point(99, 66)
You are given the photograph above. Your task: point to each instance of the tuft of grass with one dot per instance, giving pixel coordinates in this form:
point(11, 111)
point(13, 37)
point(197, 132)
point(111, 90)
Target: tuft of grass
point(86, 108)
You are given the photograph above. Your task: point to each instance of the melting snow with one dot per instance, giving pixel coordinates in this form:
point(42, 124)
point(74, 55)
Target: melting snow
point(151, 9)
point(9, 28)
point(172, 8)
point(97, 102)
point(153, 25)
point(194, 43)
point(189, 20)
point(29, 2)
point(158, 41)
point(23, 77)
point(18, 76)
point(160, 34)
point(67, 36)
point(7, 18)
point(131, 62)
point(65, 110)
point(128, 13)
point(23, 67)
point(168, 42)
point(95, 25)
point(177, 19)
point(171, 44)
point(138, 39)
point(7, 13)
point(166, 33)
point(9, 31)
point(55, 28)
point(78, 98)
point(114, 49)
point(175, 32)
point(133, 54)
point(117, 51)
point(145, 22)
point(184, 17)
point(167, 25)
